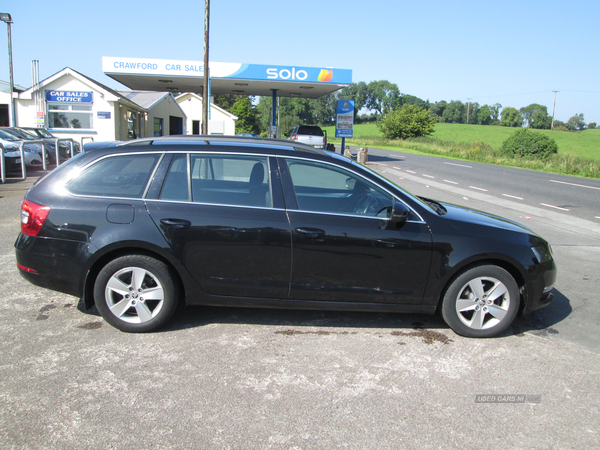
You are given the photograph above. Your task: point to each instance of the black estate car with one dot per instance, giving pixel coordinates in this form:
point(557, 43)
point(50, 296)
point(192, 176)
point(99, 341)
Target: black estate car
point(136, 227)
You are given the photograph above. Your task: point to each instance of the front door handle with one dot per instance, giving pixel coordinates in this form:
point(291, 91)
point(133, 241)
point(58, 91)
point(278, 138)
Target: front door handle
point(176, 223)
point(310, 232)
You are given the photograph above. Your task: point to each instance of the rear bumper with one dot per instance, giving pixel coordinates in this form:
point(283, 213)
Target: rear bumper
point(53, 263)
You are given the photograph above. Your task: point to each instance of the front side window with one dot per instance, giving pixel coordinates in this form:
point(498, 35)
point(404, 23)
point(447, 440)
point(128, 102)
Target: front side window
point(231, 180)
point(61, 115)
point(329, 189)
point(123, 176)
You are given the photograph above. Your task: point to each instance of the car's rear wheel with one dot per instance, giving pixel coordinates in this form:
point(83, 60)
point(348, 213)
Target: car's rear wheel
point(136, 293)
point(481, 302)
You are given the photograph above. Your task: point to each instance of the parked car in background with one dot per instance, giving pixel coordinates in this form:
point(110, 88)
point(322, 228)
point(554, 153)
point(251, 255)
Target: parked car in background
point(248, 134)
point(32, 152)
point(50, 142)
point(12, 161)
point(308, 134)
point(136, 227)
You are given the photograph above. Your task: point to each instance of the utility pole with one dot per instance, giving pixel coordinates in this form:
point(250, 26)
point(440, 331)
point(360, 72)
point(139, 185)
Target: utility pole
point(553, 109)
point(205, 91)
point(468, 109)
point(5, 17)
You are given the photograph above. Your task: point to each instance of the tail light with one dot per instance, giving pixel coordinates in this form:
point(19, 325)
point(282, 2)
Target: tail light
point(32, 217)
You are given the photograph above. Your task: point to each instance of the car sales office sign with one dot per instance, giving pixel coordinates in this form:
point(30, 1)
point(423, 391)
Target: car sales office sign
point(69, 97)
point(345, 119)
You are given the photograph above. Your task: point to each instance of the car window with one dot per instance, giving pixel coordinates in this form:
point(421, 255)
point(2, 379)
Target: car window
point(116, 176)
point(309, 130)
point(231, 180)
point(324, 188)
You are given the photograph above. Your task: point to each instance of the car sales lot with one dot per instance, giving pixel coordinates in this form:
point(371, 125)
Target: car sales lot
point(237, 378)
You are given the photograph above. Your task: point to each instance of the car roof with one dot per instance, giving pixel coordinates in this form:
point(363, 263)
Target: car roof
point(163, 142)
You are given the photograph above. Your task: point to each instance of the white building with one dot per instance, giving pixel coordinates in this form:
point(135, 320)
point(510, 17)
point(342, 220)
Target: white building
point(220, 121)
point(72, 105)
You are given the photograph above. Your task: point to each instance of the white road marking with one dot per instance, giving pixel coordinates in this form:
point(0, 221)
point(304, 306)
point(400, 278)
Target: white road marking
point(573, 184)
point(479, 189)
point(513, 196)
point(556, 207)
point(451, 182)
point(397, 168)
point(428, 176)
point(410, 171)
point(460, 165)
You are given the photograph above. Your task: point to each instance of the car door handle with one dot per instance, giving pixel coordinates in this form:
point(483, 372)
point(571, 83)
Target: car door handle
point(176, 223)
point(310, 232)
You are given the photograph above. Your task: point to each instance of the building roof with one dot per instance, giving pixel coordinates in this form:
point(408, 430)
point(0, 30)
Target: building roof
point(146, 99)
point(68, 71)
point(5, 87)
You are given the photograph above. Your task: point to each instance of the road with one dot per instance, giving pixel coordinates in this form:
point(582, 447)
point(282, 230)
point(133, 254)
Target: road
point(574, 196)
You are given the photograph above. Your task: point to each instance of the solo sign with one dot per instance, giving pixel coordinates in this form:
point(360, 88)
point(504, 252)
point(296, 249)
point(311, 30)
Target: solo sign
point(70, 96)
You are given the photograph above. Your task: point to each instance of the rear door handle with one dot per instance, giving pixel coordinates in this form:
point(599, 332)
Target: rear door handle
point(176, 223)
point(310, 232)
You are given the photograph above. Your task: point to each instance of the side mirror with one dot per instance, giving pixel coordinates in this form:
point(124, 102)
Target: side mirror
point(400, 214)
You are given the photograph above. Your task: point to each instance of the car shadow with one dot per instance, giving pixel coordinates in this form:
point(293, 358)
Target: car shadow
point(381, 158)
point(539, 322)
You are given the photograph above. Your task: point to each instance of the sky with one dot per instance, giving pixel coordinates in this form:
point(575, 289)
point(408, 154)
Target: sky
point(512, 52)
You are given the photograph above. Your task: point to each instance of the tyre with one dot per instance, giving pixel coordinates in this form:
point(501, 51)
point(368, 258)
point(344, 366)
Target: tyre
point(136, 293)
point(481, 302)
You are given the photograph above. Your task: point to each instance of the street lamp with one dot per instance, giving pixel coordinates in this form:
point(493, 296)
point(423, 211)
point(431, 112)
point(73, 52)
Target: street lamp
point(5, 17)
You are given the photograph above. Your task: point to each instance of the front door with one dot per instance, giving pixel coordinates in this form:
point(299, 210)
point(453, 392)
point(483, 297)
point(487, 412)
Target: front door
point(343, 250)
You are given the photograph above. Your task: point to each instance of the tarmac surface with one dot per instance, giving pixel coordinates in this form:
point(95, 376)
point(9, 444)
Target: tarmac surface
point(232, 378)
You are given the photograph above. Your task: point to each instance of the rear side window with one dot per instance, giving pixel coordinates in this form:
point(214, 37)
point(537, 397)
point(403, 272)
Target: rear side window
point(116, 176)
point(231, 180)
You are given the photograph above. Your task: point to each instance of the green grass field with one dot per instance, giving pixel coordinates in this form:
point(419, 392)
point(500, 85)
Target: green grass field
point(585, 144)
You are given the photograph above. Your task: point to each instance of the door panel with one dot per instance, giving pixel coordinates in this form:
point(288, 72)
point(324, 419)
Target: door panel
point(355, 259)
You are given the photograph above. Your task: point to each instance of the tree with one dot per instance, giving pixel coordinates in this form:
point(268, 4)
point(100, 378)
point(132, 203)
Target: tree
point(407, 122)
point(473, 113)
point(438, 108)
point(511, 117)
point(383, 96)
point(485, 115)
point(412, 100)
point(536, 116)
point(591, 125)
point(454, 112)
point(532, 144)
point(357, 92)
point(246, 122)
point(576, 122)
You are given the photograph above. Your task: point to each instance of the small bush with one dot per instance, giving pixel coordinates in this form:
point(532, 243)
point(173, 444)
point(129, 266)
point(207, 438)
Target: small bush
point(530, 144)
point(407, 122)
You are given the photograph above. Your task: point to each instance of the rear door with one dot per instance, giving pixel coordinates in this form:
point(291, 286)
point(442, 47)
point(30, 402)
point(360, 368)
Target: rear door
point(223, 216)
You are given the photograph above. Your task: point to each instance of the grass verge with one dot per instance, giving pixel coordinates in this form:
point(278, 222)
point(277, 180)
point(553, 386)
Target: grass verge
point(561, 163)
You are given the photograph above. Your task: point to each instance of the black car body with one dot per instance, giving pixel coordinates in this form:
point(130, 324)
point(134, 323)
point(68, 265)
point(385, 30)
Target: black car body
point(268, 223)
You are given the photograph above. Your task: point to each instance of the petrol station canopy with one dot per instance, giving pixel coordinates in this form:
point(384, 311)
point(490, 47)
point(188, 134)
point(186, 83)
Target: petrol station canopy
point(162, 75)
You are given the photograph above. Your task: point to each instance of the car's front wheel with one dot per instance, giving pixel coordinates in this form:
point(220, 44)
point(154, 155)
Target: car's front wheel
point(136, 293)
point(481, 302)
